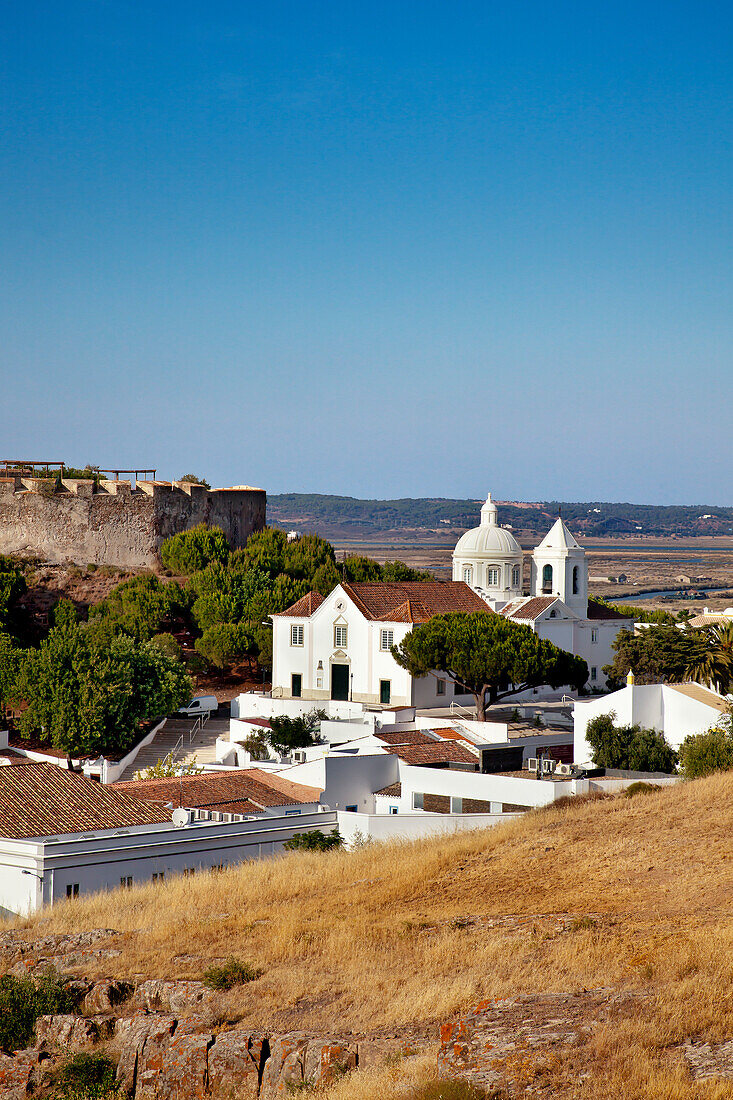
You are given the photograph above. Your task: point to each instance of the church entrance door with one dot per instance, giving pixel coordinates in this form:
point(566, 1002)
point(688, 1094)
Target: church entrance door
point(340, 682)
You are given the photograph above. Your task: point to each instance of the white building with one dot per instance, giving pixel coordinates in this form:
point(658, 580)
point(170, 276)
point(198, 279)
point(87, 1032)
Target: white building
point(489, 559)
point(62, 835)
point(675, 710)
point(339, 647)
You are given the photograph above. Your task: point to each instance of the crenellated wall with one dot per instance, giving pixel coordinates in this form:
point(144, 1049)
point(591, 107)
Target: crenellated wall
point(115, 524)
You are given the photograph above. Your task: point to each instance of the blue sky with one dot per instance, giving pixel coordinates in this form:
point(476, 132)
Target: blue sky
point(415, 249)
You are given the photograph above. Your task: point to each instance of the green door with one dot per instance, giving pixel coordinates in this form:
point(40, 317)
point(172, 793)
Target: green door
point(340, 682)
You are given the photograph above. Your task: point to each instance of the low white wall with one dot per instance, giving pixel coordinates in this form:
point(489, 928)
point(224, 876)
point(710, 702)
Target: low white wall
point(252, 704)
point(487, 788)
point(356, 826)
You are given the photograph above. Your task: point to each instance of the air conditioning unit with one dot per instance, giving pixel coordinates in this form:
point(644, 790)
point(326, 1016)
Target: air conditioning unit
point(299, 756)
point(548, 767)
point(564, 769)
point(532, 763)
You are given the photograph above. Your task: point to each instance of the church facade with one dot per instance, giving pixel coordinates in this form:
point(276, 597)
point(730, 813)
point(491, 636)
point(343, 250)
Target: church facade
point(490, 560)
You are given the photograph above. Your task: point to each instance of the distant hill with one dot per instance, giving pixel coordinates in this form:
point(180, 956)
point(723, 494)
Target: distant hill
point(331, 514)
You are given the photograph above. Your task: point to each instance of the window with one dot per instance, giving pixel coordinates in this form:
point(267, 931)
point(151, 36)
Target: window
point(594, 673)
point(516, 576)
point(468, 575)
point(296, 685)
point(553, 614)
point(386, 639)
point(456, 805)
point(158, 876)
point(385, 692)
point(72, 890)
point(352, 809)
point(126, 881)
point(576, 580)
point(394, 809)
point(340, 635)
point(492, 576)
point(417, 800)
point(296, 634)
point(594, 634)
point(440, 687)
point(547, 578)
point(292, 813)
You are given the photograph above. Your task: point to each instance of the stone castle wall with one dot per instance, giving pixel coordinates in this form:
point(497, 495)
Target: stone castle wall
point(114, 524)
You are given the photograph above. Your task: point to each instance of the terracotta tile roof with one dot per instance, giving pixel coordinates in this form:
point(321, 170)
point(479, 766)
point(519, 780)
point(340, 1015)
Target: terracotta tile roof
point(702, 695)
point(45, 800)
point(453, 735)
point(709, 618)
point(413, 601)
point(440, 752)
point(394, 790)
point(264, 722)
point(212, 790)
point(304, 607)
point(408, 737)
point(529, 609)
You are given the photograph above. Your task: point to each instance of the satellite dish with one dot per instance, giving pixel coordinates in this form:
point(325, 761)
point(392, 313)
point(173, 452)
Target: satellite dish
point(179, 817)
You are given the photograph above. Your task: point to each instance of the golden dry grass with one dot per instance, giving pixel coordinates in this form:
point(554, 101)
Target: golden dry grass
point(398, 935)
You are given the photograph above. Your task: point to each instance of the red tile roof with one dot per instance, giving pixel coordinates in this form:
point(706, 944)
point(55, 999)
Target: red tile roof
point(394, 790)
point(264, 722)
point(45, 800)
point(250, 787)
point(440, 752)
point(304, 607)
point(413, 601)
point(528, 610)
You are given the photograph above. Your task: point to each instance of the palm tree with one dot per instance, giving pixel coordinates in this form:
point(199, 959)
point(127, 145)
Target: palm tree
point(716, 666)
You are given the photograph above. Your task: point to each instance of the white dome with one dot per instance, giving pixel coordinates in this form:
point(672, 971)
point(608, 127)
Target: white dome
point(488, 540)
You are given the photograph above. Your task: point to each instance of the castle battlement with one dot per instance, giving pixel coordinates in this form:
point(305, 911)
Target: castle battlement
point(114, 522)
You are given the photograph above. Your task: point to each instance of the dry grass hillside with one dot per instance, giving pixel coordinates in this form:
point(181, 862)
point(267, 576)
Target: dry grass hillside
point(634, 894)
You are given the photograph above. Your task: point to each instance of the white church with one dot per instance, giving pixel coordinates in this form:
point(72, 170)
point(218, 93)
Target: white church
point(339, 647)
point(490, 561)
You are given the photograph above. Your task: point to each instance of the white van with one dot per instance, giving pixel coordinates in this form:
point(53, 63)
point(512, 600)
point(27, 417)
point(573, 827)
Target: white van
point(201, 704)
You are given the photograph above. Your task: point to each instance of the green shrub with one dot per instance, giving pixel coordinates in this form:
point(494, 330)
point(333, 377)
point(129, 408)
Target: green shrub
point(628, 747)
point(704, 753)
point(190, 551)
point(23, 1000)
point(86, 1076)
point(314, 841)
point(233, 972)
point(640, 788)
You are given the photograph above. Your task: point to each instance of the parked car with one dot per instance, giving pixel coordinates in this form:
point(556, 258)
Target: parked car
point(201, 704)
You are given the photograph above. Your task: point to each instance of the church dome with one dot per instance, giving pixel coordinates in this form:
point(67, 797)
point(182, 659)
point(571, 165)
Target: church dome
point(488, 540)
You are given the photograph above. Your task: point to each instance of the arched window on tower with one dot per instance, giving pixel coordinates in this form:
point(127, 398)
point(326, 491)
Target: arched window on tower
point(516, 576)
point(547, 578)
point(492, 576)
point(467, 574)
point(576, 580)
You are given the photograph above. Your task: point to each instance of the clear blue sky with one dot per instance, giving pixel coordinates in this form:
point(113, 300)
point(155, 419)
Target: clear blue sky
point(380, 249)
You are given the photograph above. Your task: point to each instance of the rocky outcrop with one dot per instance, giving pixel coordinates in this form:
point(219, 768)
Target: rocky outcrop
point(68, 1032)
point(510, 1043)
point(157, 995)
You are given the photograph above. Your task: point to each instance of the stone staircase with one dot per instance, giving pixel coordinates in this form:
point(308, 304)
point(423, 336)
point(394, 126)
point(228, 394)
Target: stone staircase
point(186, 738)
